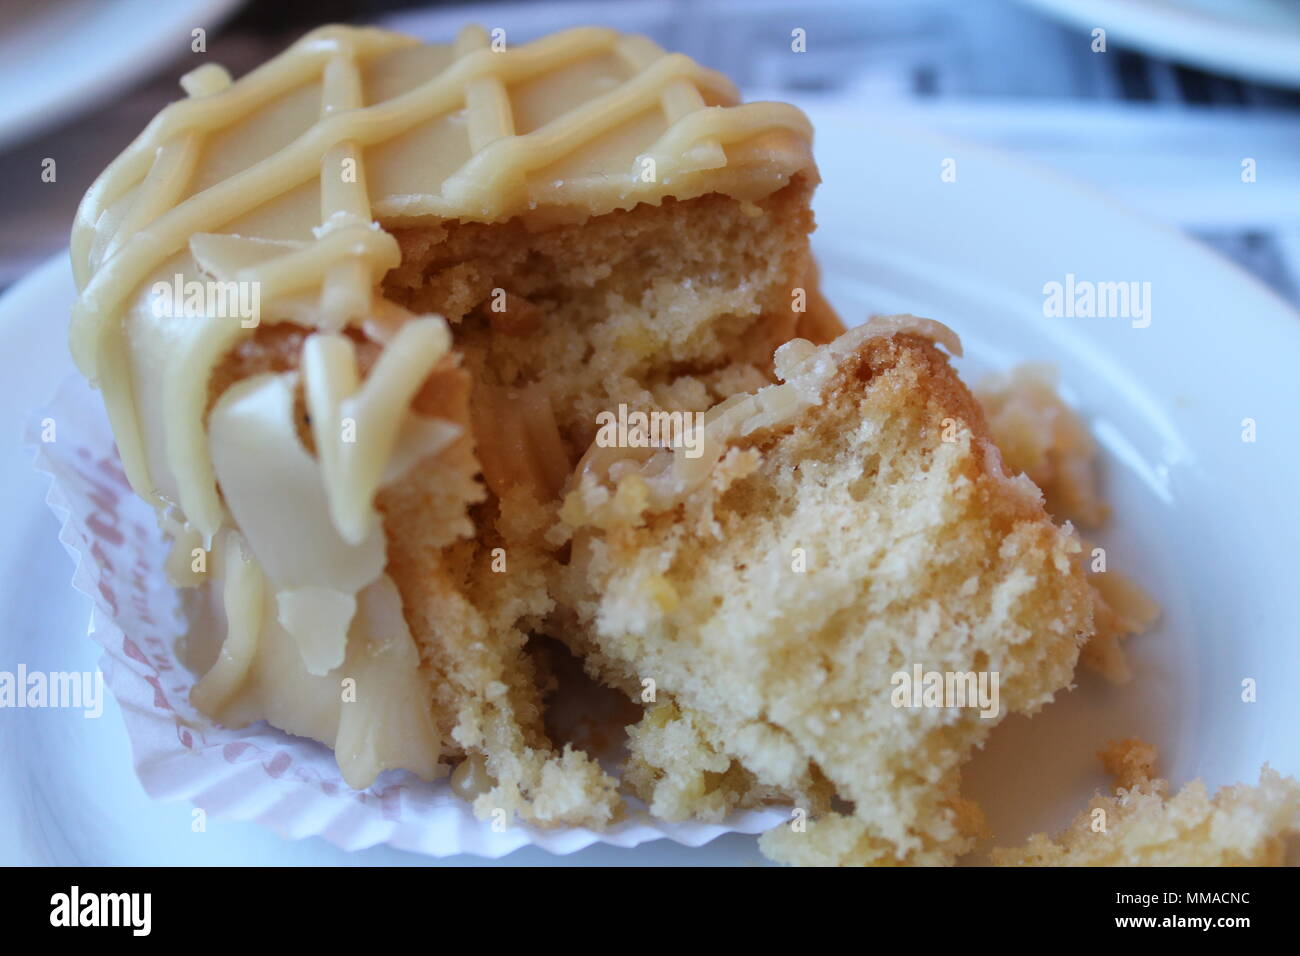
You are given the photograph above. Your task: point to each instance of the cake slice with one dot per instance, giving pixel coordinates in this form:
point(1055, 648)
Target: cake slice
point(1143, 825)
point(848, 526)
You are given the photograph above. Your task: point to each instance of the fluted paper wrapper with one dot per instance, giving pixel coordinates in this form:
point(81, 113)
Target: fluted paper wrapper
point(259, 773)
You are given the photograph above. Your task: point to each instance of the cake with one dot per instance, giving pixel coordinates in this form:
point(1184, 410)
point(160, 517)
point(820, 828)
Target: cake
point(362, 319)
point(1143, 825)
point(426, 268)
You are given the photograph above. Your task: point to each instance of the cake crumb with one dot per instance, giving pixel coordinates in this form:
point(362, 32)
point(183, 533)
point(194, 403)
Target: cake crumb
point(1040, 436)
point(1140, 825)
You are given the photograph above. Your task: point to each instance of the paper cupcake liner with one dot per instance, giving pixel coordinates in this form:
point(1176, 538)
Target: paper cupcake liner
point(290, 784)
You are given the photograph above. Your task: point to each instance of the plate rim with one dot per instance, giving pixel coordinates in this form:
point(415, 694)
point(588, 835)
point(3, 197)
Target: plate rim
point(115, 73)
point(1235, 45)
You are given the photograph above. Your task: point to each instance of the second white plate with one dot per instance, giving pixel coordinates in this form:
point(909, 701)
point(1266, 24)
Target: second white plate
point(60, 57)
point(1255, 39)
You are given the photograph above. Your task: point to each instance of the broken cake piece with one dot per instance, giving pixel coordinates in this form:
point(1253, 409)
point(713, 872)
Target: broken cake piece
point(846, 526)
point(1042, 437)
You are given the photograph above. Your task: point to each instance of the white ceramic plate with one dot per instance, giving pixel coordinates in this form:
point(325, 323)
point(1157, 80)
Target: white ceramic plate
point(1206, 522)
point(60, 57)
point(1256, 39)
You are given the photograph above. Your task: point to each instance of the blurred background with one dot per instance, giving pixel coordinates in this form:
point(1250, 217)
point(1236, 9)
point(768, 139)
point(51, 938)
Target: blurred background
point(1182, 84)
